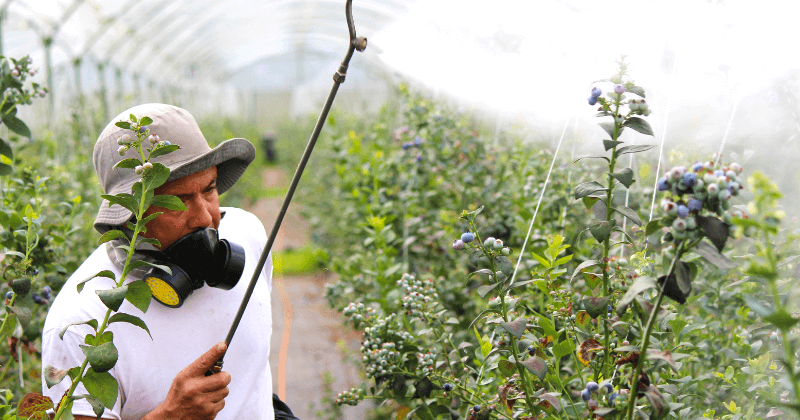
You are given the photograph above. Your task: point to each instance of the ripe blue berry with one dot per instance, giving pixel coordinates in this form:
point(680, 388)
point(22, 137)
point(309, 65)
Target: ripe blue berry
point(697, 166)
point(606, 388)
point(9, 294)
point(596, 92)
point(447, 387)
point(612, 398)
point(689, 178)
point(593, 100)
point(37, 299)
point(683, 211)
point(417, 141)
point(592, 386)
point(476, 408)
point(166, 143)
point(663, 184)
point(695, 205)
point(467, 237)
point(586, 395)
point(619, 89)
point(46, 292)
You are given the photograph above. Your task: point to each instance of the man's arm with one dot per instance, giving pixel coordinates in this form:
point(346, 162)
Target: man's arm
point(193, 396)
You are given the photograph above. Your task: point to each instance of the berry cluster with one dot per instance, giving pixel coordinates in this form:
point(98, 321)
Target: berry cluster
point(427, 362)
point(596, 92)
point(20, 70)
point(351, 397)
point(126, 142)
point(358, 313)
point(706, 186)
point(605, 388)
point(418, 295)
point(380, 346)
point(490, 244)
point(417, 142)
point(42, 297)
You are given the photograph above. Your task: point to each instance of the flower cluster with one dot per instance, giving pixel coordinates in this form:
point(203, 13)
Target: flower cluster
point(418, 295)
point(706, 186)
point(351, 397)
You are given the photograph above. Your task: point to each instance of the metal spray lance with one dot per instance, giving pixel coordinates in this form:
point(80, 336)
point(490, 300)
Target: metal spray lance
point(356, 43)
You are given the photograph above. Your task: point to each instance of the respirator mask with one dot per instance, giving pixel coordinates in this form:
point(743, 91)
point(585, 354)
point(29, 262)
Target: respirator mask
point(195, 259)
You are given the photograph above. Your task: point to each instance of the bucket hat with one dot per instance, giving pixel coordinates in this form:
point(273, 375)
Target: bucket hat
point(177, 126)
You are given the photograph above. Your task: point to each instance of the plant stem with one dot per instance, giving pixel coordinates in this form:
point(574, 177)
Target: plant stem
point(646, 338)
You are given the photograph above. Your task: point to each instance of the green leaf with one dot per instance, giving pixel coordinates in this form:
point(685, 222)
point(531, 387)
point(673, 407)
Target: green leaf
point(641, 284)
point(712, 255)
point(53, 376)
point(105, 273)
point(163, 150)
point(16, 125)
point(781, 319)
point(634, 149)
point(168, 202)
point(601, 229)
point(486, 348)
point(102, 386)
point(423, 388)
point(21, 286)
point(547, 326)
point(541, 260)
point(113, 298)
point(563, 348)
point(481, 315)
point(716, 230)
point(585, 264)
point(506, 367)
point(589, 202)
point(130, 163)
point(653, 226)
point(593, 156)
point(110, 235)
point(504, 265)
point(609, 128)
point(23, 315)
point(639, 125)
point(535, 365)
point(145, 121)
point(636, 89)
point(133, 120)
point(590, 188)
point(6, 150)
point(141, 263)
point(481, 271)
point(124, 200)
point(123, 124)
point(610, 144)
point(515, 327)
point(583, 320)
point(130, 319)
point(678, 286)
point(484, 290)
point(97, 405)
point(5, 169)
point(659, 407)
point(596, 306)
point(102, 357)
point(629, 213)
point(92, 323)
point(156, 176)
point(139, 295)
point(625, 177)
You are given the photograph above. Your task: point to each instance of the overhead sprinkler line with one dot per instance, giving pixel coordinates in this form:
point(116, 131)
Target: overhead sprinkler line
point(718, 158)
point(663, 134)
point(356, 43)
point(541, 195)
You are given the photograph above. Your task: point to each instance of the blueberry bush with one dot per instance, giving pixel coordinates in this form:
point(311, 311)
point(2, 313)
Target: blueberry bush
point(466, 313)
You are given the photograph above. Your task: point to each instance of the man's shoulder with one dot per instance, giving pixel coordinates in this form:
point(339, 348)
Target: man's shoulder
point(241, 222)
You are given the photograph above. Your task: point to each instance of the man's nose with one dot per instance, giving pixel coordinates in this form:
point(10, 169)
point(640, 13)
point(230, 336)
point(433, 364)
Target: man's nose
point(199, 214)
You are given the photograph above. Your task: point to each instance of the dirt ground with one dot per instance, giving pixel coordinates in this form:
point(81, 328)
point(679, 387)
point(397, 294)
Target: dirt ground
point(309, 344)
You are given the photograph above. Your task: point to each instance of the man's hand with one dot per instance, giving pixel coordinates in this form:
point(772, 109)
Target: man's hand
point(194, 396)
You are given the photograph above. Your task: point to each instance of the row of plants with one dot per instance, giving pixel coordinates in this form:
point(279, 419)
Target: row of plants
point(467, 309)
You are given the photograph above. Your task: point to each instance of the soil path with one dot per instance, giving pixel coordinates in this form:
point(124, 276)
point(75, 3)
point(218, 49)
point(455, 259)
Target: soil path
point(312, 355)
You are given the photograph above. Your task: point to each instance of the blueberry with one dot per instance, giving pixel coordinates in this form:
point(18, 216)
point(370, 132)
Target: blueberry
point(592, 100)
point(612, 398)
point(144, 128)
point(663, 184)
point(619, 89)
point(467, 237)
point(683, 211)
point(9, 294)
point(695, 205)
point(458, 244)
point(166, 143)
point(689, 178)
point(697, 166)
point(607, 388)
point(37, 299)
point(592, 386)
point(476, 408)
point(596, 92)
point(447, 387)
point(417, 141)
point(586, 395)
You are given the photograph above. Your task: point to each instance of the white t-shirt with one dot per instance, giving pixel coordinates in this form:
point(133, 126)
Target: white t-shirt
point(145, 368)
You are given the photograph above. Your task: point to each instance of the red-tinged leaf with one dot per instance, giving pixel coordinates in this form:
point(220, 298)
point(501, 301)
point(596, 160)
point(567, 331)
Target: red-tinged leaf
point(549, 401)
point(536, 365)
point(53, 376)
point(587, 350)
point(34, 406)
point(515, 327)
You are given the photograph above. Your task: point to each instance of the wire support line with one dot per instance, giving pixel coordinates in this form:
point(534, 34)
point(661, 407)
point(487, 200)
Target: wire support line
point(663, 135)
point(727, 130)
point(541, 195)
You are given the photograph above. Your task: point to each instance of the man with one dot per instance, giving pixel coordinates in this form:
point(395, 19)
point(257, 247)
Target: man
point(164, 377)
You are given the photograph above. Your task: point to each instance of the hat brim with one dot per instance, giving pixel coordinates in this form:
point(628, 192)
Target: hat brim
point(231, 157)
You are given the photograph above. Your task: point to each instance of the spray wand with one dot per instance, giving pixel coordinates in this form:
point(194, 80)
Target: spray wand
point(356, 43)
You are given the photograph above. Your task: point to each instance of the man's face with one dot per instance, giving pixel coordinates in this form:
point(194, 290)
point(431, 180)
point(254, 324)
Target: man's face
point(199, 193)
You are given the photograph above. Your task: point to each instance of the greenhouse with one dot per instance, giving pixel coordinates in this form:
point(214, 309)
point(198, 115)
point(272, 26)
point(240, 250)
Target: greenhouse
point(399, 209)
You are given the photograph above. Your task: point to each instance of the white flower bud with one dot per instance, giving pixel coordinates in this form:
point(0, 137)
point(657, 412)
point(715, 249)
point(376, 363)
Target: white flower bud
point(148, 166)
point(139, 169)
point(15, 73)
point(122, 150)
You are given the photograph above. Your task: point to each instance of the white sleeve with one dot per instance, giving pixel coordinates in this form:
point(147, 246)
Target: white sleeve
point(66, 354)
